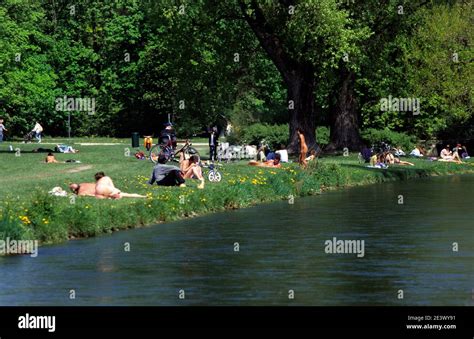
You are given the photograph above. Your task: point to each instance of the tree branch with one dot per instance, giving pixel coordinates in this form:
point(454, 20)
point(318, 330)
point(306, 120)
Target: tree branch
point(270, 42)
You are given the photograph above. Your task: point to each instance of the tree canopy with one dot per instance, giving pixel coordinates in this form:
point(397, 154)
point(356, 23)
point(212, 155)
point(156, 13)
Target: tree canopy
point(305, 63)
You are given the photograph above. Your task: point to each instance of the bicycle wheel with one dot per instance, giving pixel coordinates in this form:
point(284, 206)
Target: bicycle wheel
point(155, 153)
point(214, 176)
point(193, 151)
point(217, 176)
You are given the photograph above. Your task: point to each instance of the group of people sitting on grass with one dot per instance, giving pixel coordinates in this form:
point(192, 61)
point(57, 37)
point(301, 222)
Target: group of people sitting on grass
point(162, 174)
point(456, 154)
point(385, 157)
point(170, 175)
point(268, 158)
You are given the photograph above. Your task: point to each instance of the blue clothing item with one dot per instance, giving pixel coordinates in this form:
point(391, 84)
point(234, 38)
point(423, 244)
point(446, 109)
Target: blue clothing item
point(1, 137)
point(65, 149)
point(366, 154)
point(271, 156)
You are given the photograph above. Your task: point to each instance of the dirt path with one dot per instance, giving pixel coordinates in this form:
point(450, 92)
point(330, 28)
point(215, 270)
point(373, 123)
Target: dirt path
point(51, 174)
point(79, 169)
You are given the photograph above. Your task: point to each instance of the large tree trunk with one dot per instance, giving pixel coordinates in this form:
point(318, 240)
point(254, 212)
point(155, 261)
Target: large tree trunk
point(298, 76)
point(344, 118)
point(303, 115)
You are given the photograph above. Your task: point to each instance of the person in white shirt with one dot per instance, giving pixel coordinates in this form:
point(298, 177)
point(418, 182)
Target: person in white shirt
point(283, 153)
point(2, 128)
point(38, 129)
point(416, 152)
point(399, 152)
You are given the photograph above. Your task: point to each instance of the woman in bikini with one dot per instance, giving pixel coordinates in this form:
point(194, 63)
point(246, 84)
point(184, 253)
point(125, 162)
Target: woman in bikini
point(391, 159)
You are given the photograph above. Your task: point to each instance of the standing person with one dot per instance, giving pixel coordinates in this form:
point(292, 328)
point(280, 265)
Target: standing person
point(38, 129)
point(213, 144)
point(303, 148)
point(2, 128)
point(168, 135)
point(166, 175)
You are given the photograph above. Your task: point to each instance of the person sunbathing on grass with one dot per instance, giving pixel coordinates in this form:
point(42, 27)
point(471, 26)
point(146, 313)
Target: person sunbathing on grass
point(104, 188)
point(50, 159)
point(391, 159)
point(191, 169)
point(83, 189)
point(312, 156)
point(61, 148)
point(270, 163)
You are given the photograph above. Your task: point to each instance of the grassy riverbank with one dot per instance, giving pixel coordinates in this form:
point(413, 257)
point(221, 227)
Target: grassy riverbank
point(28, 212)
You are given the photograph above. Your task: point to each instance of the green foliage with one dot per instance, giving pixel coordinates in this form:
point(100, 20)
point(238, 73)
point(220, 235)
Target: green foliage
point(273, 135)
point(322, 135)
point(12, 227)
point(141, 59)
point(374, 136)
point(440, 68)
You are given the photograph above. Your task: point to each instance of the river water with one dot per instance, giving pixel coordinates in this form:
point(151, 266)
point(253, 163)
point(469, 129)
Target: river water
point(272, 254)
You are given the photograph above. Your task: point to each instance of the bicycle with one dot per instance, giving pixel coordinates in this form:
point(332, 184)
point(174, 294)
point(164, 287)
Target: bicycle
point(168, 150)
point(214, 175)
point(233, 152)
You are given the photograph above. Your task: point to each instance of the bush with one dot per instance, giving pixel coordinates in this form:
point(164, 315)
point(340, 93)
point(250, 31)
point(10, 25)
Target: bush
point(274, 135)
point(322, 135)
point(11, 227)
point(373, 136)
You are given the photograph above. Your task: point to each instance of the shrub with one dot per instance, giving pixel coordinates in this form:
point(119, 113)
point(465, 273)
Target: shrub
point(274, 135)
point(373, 136)
point(322, 135)
point(11, 227)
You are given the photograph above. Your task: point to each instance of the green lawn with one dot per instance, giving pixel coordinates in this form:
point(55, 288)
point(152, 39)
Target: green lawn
point(27, 211)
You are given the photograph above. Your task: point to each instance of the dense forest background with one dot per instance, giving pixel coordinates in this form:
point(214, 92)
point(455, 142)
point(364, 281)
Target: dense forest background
point(302, 64)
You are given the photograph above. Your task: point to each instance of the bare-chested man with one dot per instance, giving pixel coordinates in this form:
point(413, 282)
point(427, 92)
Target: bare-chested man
point(84, 189)
point(303, 148)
